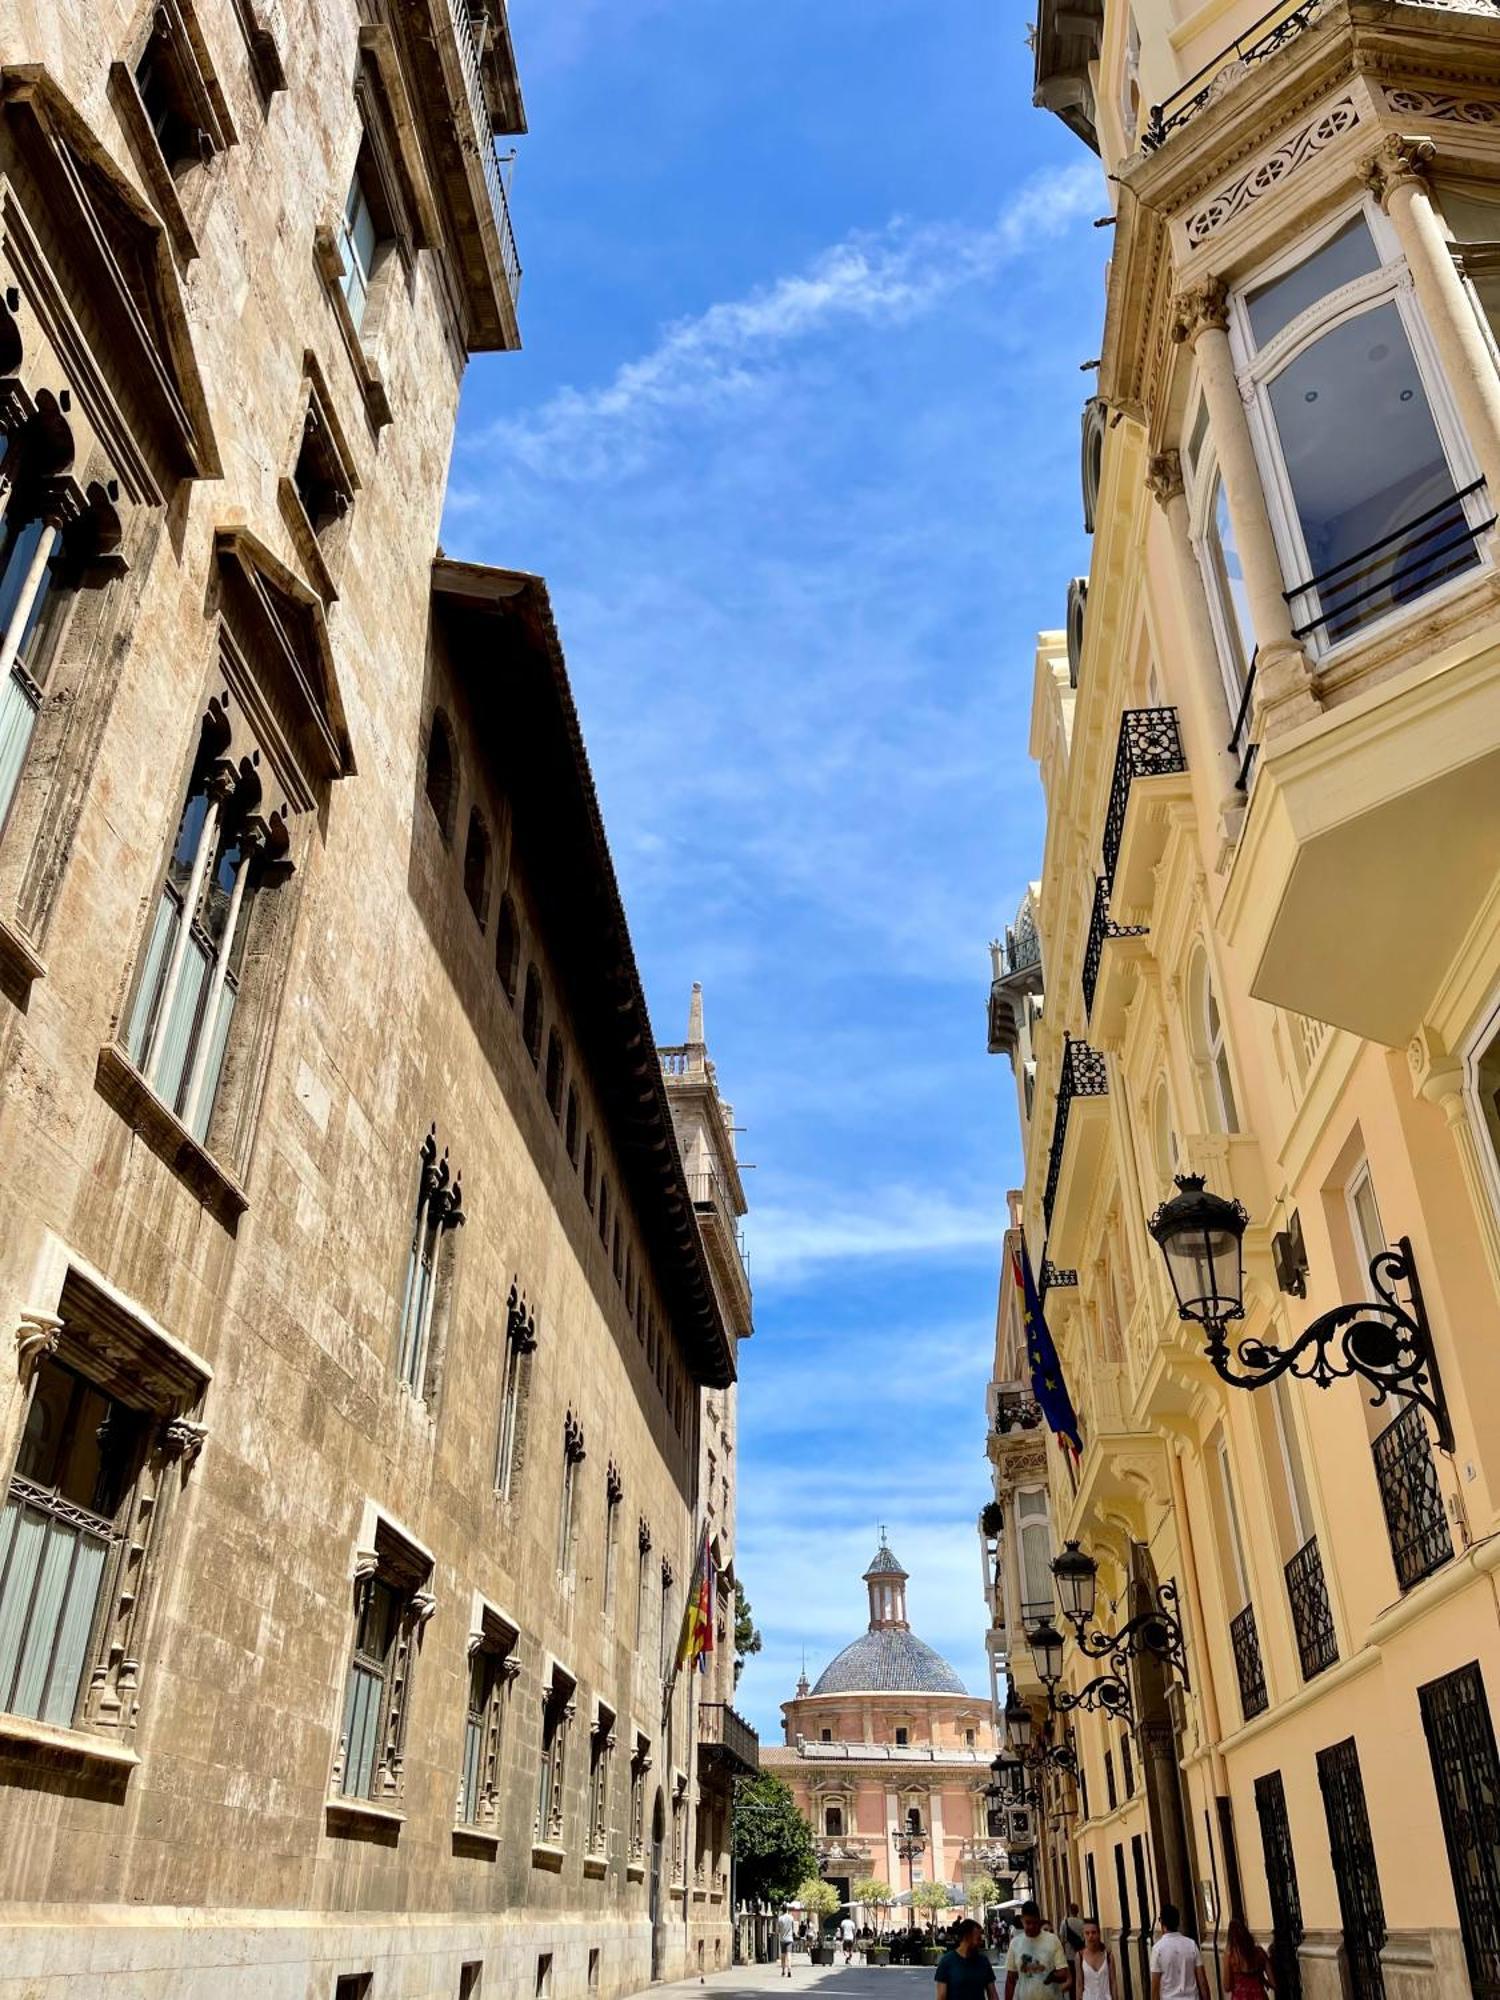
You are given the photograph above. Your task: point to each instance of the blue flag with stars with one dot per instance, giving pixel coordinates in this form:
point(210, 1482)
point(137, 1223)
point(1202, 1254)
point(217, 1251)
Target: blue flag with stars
point(1047, 1383)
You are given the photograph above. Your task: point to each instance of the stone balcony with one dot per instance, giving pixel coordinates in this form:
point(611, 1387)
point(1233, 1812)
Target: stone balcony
point(727, 1740)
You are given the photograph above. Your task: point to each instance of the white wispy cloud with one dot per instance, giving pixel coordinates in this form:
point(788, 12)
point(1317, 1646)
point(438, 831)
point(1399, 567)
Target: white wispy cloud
point(729, 352)
point(792, 1240)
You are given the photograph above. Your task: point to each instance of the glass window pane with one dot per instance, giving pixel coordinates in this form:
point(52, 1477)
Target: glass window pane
point(1229, 578)
point(158, 951)
point(70, 1655)
point(178, 1036)
point(1367, 1223)
point(22, 1534)
point(1349, 255)
point(361, 1718)
point(17, 720)
point(1373, 491)
point(53, 1574)
point(1199, 433)
point(1487, 1092)
point(214, 1066)
point(16, 551)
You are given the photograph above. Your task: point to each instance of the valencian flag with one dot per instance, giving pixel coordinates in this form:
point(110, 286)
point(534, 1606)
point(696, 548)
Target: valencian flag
point(697, 1640)
point(1047, 1383)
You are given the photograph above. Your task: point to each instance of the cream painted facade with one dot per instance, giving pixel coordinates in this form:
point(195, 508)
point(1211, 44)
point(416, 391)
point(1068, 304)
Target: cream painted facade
point(1269, 951)
point(360, 1316)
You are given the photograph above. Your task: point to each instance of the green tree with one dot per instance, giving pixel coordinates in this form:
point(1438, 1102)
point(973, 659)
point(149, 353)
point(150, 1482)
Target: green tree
point(874, 1896)
point(983, 1890)
point(773, 1843)
point(932, 1897)
point(746, 1638)
point(819, 1898)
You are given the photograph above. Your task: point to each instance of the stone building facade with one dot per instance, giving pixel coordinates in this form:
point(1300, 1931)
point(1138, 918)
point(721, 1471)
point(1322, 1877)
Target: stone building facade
point(359, 1311)
point(888, 1731)
point(1267, 954)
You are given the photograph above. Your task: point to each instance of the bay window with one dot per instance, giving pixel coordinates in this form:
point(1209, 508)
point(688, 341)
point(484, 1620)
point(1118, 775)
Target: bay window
point(1374, 496)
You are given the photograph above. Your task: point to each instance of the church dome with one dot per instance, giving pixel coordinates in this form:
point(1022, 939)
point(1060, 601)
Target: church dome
point(889, 1659)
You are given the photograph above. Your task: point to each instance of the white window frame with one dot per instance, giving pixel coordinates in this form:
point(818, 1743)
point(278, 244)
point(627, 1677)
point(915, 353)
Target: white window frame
point(1257, 367)
point(1478, 1043)
point(1224, 1472)
point(1203, 483)
point(1293, 1464)
point(1364, 1250)
point(1211, 1051)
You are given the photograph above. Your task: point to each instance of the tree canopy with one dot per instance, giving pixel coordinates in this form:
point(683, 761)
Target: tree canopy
point(817, 1897)
point(931, 1896)
point(746, 1638)
point(983, 1890)
point(773, 1843)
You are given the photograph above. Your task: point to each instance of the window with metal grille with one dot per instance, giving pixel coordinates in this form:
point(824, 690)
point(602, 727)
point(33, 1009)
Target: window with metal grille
point(1466, 1771)
point(1352, 1851)
point(1415, 1518)
point(1281, 1884)
point(1312, 1614)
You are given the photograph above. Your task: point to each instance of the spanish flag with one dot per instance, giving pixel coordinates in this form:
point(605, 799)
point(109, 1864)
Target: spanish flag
point(697, 1639)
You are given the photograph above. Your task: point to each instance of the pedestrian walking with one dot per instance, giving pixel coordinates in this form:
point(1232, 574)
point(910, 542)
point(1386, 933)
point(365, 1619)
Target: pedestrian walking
point(1176, 1962)
point(1094, 1970)
point(964, 1972)
point(1070, 1936)
point(846, 1933)
point(1246, 1964)
point(786, 1930)
point(1036, 1964)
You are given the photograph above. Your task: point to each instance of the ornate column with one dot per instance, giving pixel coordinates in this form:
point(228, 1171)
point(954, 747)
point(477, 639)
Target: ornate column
point(1439, 1077)
point(1283, 674)
point(1398, 174)
point(1207, 699)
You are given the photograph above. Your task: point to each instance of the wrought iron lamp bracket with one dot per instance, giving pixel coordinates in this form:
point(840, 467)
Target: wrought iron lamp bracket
point(1382, 1341)
point(1157, 1632)
point(1107, 1694)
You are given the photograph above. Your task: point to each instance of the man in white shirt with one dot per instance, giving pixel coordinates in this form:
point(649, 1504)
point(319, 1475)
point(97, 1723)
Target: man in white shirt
point(1176, 1962)
point(786, 1930)
point(1036, 1965)
point(846, 1932)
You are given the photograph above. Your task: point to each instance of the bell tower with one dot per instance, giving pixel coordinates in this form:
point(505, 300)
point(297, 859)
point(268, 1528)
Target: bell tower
point(885, 1580)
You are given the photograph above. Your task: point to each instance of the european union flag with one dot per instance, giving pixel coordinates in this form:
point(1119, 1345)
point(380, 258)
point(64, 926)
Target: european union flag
point(1047, 1383)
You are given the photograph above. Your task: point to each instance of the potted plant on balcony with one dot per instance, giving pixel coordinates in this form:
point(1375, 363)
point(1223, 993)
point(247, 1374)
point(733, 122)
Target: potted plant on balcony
point(992, 1520)
point(820, 1899)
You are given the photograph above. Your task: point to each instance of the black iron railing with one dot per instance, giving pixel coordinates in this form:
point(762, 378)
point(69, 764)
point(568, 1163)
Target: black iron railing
point(1461, 1743)
point(1312, 1615)
point(1421, 1540)
point(1101, 930)
point(1356, 1875)
point(1150, 747)
point(1064, 1279)
point(1082, 1074)
point(1022, 950)
point(1397, 568)
point(1239, 743)
point(1257, 43)
point(1248, 1667)
point(1015, 1410)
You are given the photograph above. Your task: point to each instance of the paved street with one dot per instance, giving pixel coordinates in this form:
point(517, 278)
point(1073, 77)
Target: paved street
point(834, 1982)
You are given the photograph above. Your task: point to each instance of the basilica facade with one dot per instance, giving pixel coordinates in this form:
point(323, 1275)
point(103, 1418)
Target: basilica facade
point(888, 1755)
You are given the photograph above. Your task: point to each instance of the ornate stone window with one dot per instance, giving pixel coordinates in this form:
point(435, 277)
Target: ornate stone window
point(614, 1496)
point(392, 1604)
point(317, 495)
point(508, 947)
point(493, 1668)
point(567, 1513)
point(174, 114)
point(108, 1437)
point(601, 1764)
point(427, 1292)
point(643, 1580)
point(679, 1829)
point(559, 1703)
point(667, 1637)
point(477, 866)
point(1372, 489)
point(440, 780)
point(640, 1766)
point(515, 1394)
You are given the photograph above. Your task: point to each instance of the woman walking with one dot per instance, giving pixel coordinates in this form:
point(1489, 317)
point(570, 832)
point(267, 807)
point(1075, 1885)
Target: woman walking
point(1094, 1965)
point(1246, 1965)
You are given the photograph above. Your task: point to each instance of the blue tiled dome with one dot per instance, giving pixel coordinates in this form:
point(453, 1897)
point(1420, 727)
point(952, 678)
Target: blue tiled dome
point(889, 1659)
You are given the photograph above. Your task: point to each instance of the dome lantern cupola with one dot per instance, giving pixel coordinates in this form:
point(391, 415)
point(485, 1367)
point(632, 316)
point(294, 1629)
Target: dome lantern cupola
point(885, 1580)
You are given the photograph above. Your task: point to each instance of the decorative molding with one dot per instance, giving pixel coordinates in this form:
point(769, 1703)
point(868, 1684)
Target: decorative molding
point(1164, 477)
point(1456, 110)
point(614, 1485)
point(1202, 308)
point(422, 1604)
point(573, 1439)
point(1397, 163)
point(520, 1321)
point(36, 1336)
point(643, 1536)
point(366, 1563)
point(182, 1439)
point(1270, 172)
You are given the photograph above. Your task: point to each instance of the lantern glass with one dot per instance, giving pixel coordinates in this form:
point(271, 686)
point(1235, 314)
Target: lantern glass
point(1046, 1644)
point(1018, 1722)
point(1200, 1236)
point(1076, 1574)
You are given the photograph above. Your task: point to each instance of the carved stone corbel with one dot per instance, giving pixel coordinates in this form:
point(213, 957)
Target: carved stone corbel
point(366, 1563)
point(182, 1439)
point(36, 1335)
point(421, 1606)
point(1164, 477)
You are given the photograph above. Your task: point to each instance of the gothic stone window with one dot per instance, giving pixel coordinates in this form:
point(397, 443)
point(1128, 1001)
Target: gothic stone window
point(531, 1015)
point(640, 1765)
point(508, 947)
point(554, 1072)
point(392, 1603)
point(567, 1516)
point(601, 1761)
point(515, 1393)
point(174, 114)
point(614, 1495)
point(426, 1296)
point(559, 1701)
point(493, 1667)
point(440, 781)
point(317, 494)
point(643, 1579)
point(105, 1446)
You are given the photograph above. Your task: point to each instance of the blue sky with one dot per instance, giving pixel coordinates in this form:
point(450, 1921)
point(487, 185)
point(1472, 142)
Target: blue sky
point(794, 440)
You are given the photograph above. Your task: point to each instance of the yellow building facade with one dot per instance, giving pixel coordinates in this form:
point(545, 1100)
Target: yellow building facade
point(1265, 950)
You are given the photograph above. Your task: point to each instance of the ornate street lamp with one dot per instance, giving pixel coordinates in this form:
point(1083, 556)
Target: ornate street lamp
point(909, 1845)
point(1157, 1630)
point(1385, 1342)
point(1077, 1576)
point(1046, 1644)
point(1019, 1722)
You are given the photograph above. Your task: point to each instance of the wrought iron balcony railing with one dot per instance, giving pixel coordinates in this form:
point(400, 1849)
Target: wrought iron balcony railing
point(1239, 744)
point(1050, 1275)
point(484, 139)
point(720, 1729)
point(1312, 1615)
point(1396, 569)
point(1083, 1074)
point(1100, 931)
point(1249, 1670)
point(1262, 39)
point(1421, 1540)
point(1016, 1410)
point(1150, 747)
point(706, 1186)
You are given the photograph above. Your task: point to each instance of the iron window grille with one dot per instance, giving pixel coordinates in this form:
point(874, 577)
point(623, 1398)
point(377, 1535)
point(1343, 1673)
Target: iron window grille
point(1466, 1772)
point(1281, 1882)
point(1150, 746)
point(1249, 1670)
point(1312, 1615)
point(1352, 1851)
point(1421, 1540)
